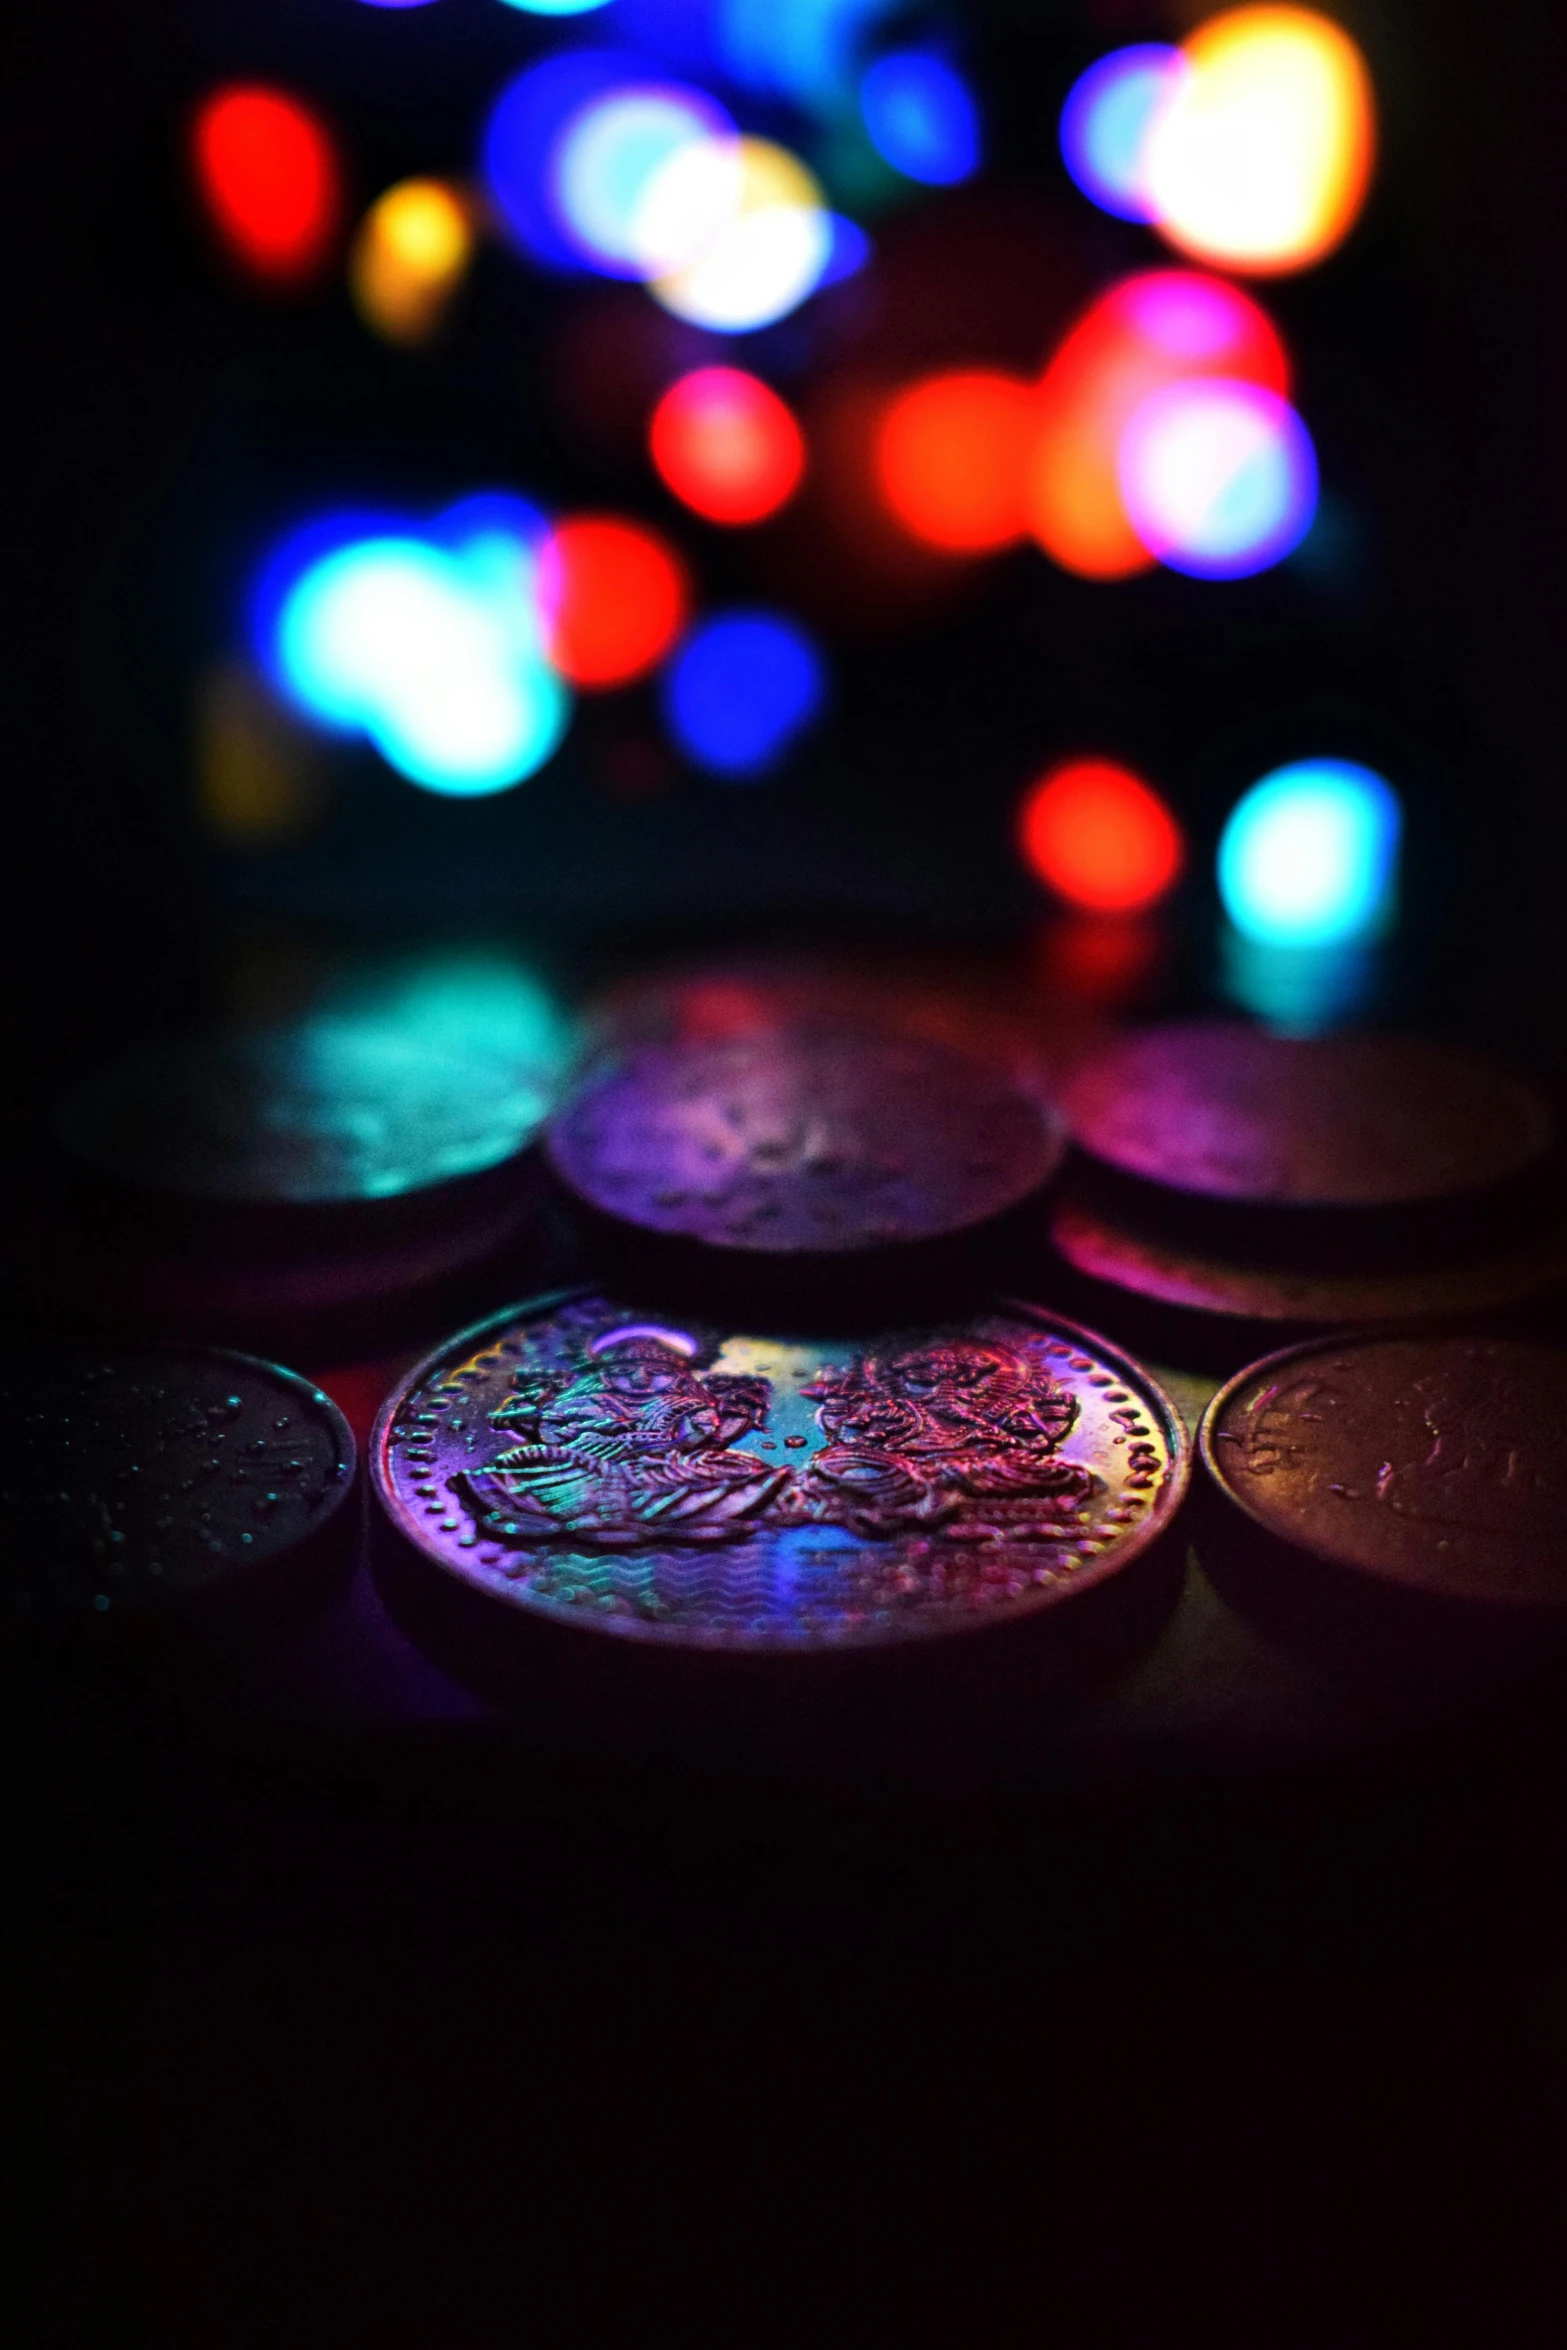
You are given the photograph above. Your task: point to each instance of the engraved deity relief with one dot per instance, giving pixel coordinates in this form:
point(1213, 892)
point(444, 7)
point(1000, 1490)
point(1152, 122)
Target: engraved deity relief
point(633, 1448)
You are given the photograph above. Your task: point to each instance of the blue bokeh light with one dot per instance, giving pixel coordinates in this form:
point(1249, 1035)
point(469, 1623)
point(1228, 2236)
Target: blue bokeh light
point(426, 641)
point(1309, 856)
point(520, 138)
point(741, 690)
point(920, 116)
point(806, 51)
point(1105, 124)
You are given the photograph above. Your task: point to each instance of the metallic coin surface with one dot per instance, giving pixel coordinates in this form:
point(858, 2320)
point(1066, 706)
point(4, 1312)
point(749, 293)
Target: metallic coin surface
point(324, 1109)
point(804, 1143)
point(1106, 1251)
point(694, 1486)
point(1229, 1112)
point(1432, 1462)
point(141, 1479)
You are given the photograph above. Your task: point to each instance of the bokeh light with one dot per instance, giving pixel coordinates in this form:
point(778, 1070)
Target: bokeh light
point(805, 51)
point(772, 250)
point(1261, 156)
point(921, 117)
point(411, 253)
point(1219, 478)
point(727, 445)
point(1161, 328)
point(269, 176)
point(614, 596)
point(523, 132)
point(952, 459)
point(605, 175)
point(1105, 123)
point(551, 7)
point(425, 641)
point(1100, 837)
point(1309, 856)
point(740, 692)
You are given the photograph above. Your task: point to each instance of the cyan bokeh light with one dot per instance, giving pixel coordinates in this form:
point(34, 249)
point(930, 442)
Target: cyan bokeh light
point(741, 690)
point(1310, 855)
point(521, 135)
point(426, 642)
point(921, 117)
point(1105, 124)
point(544, 7)
point(806, 51)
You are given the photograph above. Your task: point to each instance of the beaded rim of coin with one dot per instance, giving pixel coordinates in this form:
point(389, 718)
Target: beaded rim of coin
point(149, 1594)
point(1439, 1529)
point(895, 1580)
point(1196, 1282)
point(1215, 1109)
point(804, 1145)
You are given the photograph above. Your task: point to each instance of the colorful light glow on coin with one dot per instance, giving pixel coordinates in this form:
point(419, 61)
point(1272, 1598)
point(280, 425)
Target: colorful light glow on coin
point(726, 1490)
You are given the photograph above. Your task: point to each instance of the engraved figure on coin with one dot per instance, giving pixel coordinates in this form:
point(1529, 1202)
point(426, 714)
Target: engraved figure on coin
point(1475, 1473)
point(957, 1437)
point(629, 1449)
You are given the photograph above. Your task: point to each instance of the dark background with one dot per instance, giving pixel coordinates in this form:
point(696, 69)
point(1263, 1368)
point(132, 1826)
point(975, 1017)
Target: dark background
point(298, 2062)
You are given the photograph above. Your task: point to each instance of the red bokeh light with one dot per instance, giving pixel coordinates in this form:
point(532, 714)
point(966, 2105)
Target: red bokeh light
point(1100, 837)
point(727, 446)
point(269, 176)
point(1160, 328)
point(952, 458)
point(615, 598)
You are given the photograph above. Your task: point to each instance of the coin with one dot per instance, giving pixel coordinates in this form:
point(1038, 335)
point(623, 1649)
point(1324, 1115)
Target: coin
point(1223, 1111)
point(803, 1144)
point(1430, 1463)
point(698, 1487)
point(326, 1110)
point(1111, 1252)
point(153, 1480)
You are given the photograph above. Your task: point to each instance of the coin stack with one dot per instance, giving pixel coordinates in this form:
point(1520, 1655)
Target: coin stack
point(824, 1401)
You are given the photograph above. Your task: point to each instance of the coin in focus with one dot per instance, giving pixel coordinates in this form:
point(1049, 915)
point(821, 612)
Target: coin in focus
point(701, 1487)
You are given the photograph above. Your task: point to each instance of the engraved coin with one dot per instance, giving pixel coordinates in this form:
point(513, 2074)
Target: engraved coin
point(145, 1480)
point(696, 1486)
point(1223, 1111)
point(1147, 1267)
point(1432, 1462)
point(325, 1109)
point(802, 1144)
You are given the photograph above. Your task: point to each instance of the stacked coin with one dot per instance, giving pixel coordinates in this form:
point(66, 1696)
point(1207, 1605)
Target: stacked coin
point(311, 1186)
point(1230, 1183)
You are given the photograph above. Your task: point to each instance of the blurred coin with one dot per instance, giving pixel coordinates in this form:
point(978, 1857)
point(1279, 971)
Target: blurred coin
point(1430, 1464)
point(804, 1144)
point(1108, 1251)
point(1227, 1112)
point(693, 1486)
point(326, 1111)
point(164, 1481)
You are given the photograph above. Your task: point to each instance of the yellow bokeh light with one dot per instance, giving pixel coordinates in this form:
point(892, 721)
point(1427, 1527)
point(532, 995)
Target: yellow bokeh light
point(1260, 158)
point(411, 253)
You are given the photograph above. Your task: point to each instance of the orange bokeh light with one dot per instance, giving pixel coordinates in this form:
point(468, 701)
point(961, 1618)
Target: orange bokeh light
point(1150, 331)
point(615, 597)
point(727, 446)
point(1100, 837)
point(269, 176)
point(952, 459)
